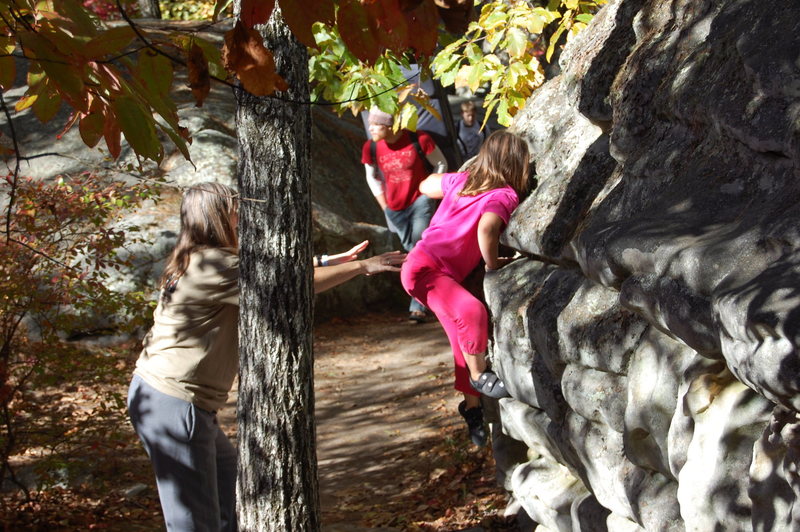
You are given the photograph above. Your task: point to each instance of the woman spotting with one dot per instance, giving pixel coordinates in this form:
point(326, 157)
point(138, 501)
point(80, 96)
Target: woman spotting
point(191, 356)
point(475, 208)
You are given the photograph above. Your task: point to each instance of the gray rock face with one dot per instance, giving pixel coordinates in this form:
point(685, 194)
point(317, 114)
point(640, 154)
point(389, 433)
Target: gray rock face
point(653, 357)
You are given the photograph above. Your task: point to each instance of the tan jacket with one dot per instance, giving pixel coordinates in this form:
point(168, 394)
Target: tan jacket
point(192, 351)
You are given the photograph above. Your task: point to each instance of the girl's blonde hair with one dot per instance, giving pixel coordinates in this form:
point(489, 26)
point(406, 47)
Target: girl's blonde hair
point(208, 215)
point(502, 160)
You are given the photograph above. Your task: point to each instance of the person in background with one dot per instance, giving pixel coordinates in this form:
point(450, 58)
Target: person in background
point(470, 134)
point(396, 162)
point(191, 355)
point(476, 206)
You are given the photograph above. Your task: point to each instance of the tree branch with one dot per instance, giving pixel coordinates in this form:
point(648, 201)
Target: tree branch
point(41, 253)
point(13, 193)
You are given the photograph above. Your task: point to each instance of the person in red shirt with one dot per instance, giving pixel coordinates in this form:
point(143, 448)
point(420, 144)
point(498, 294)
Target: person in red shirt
point(395, 167)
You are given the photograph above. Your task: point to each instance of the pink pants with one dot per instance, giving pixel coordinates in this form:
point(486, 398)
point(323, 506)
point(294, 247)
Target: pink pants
point(463, 316)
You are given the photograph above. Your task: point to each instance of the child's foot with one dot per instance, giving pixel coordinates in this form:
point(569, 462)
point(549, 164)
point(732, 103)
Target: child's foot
point(417, 316)
point(474, 418)
point(490, 385)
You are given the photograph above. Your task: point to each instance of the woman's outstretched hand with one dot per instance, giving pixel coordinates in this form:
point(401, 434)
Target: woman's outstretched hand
point(327, 277)
point(385, 262)
point(347, 256)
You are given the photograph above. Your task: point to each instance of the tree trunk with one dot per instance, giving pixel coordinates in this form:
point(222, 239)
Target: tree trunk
point(149, 8)
point(277, 487)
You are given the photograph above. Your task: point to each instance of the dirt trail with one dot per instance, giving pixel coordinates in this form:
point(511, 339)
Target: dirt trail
point(384, 395)
point(384, 400)
point(393, 452)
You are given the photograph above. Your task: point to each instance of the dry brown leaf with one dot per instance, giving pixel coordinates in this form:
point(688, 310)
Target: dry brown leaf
point(199, 78)
point(246, 56)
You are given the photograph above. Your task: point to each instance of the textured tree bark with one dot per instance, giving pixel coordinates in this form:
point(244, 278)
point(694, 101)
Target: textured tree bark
point(277, 487)
point(149, 8)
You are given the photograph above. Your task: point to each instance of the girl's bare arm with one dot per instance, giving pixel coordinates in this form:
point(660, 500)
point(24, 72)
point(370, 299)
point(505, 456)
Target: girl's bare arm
point(489, 228)
point(431, 186)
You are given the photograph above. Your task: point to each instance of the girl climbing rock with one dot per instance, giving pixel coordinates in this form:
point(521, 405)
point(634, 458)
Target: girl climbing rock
point(475, 208)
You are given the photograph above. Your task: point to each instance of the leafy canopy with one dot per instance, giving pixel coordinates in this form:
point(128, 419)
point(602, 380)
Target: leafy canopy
point(117, 79)
point(504, 50)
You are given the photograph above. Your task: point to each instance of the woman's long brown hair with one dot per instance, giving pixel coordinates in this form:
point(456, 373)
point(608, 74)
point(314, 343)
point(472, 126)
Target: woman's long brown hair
point(502, 160)
point(208, 217)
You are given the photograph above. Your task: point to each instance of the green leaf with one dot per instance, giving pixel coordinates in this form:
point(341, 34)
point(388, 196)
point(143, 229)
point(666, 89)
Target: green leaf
point(517, 42)
point(571, 4)
point(25, 102)
point(162, 105)
point(66, 77)
point(473, 52)
point(388, 101)
point(489, 105)
point(74, 12)
point(503, 118)
point(155, 71)
point(448, 78)
point(493, 39)
point(475, 77)
point(48, 103)
point(584, 17)
point(35, 75)
point(219, 7)
point(138, 127)
point(495, 20)
point(408, 117)
point(446, 62)
point(554, 41)
point(110, 41)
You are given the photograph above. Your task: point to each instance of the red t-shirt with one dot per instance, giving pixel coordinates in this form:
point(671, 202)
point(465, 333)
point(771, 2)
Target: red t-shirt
point(401, 166)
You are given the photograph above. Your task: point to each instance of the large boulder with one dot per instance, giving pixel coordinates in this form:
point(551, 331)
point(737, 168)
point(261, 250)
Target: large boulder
point(650, 343)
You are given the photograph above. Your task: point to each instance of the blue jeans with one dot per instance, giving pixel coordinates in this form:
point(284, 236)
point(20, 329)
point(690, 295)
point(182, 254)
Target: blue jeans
point(194, 462)
point(409, 224)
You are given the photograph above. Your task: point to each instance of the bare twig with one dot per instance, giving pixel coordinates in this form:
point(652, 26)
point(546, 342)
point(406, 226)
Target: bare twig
point(41, 253)
point(13, 192)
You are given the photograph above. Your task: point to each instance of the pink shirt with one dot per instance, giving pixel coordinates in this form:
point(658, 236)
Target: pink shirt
point(451, 240)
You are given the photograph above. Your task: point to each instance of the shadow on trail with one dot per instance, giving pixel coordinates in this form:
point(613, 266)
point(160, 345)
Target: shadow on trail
point(384, 396)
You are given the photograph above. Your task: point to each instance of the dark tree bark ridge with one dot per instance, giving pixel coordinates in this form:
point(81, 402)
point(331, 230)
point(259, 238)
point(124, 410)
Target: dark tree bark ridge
point(277, 486)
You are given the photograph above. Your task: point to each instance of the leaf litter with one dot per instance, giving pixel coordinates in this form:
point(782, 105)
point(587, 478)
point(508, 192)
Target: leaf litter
point(429, 478)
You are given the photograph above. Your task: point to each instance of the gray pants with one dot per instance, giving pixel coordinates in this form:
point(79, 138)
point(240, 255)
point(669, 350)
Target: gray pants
point(194, 462)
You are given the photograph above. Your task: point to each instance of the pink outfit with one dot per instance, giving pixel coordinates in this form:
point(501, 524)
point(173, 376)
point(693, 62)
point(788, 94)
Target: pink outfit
point(447, 253)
